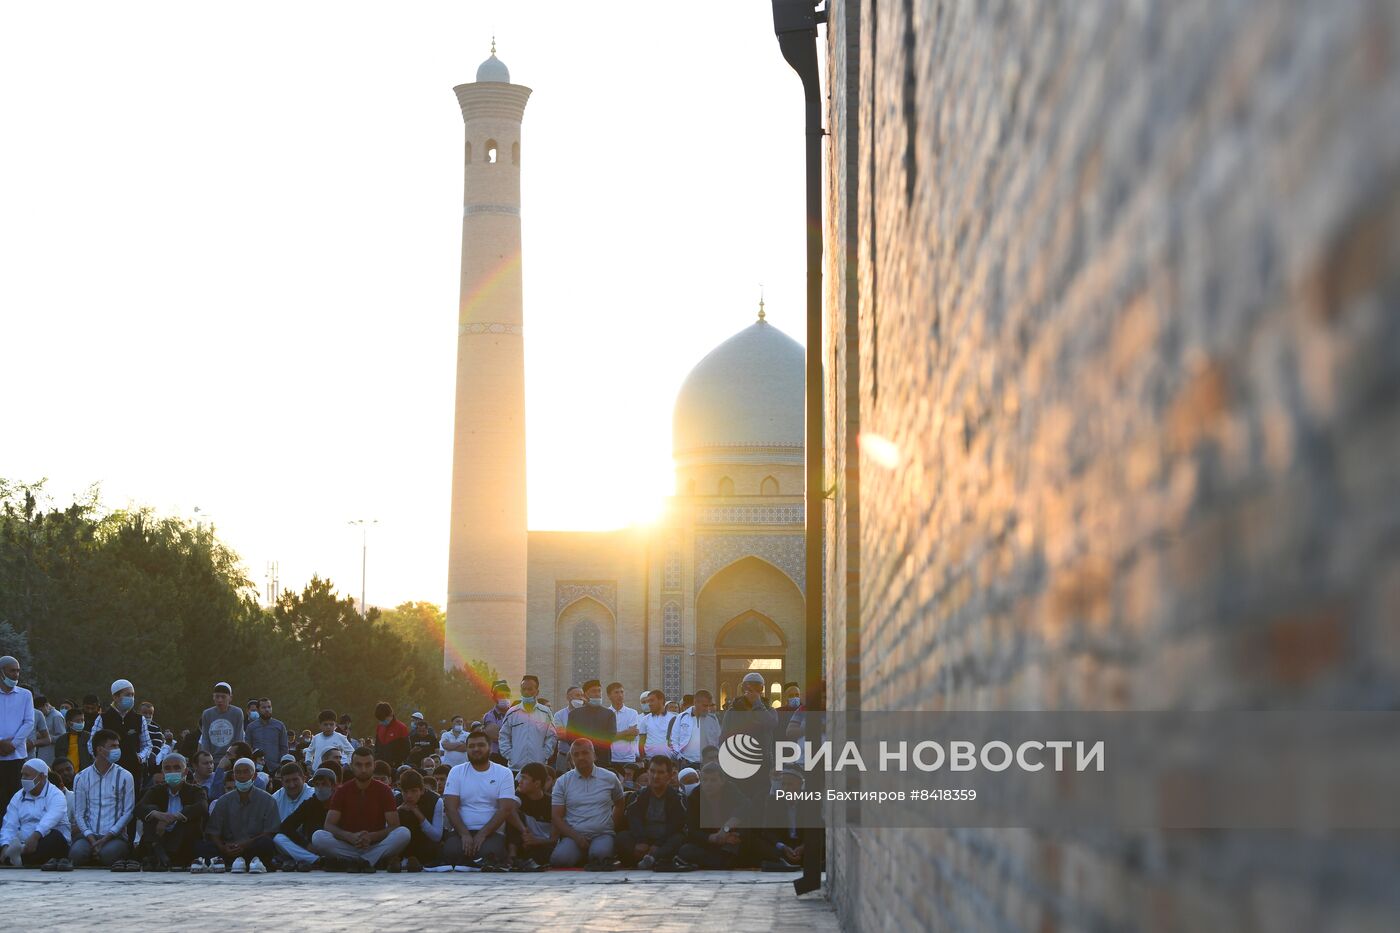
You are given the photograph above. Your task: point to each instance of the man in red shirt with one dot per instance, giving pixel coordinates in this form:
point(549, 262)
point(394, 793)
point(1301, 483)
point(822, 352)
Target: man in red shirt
point(390, 736)
point(362, 821)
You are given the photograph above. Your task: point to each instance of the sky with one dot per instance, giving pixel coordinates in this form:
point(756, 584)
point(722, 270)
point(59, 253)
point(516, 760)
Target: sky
point(230, 247)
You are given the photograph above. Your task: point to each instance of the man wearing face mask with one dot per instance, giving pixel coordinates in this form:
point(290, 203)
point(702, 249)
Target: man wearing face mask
point(16, 724)
point(527, 734)
point(158, 752)
point(242, 824)
point(172, 814)
point(693, 730)
point(595, 722)
point(73, 744)
point(495, 716)
point(561, 728)
point(103, 804)
point(293, 837)
point(123, 719)
point(390, 736)
point(35, 828)
point(453, 743)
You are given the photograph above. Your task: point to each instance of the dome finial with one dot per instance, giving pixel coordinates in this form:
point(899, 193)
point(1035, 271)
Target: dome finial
point(761, 314)
point(493, 45)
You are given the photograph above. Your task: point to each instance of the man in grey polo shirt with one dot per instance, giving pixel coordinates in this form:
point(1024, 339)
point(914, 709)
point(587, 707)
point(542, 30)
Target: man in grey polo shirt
point(583, 812)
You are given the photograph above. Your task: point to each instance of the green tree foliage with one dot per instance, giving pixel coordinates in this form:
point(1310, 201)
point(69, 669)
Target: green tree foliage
point(87, 597)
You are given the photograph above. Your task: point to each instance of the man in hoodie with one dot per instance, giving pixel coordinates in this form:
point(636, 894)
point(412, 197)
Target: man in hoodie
point(35, 827)
point(122, 718)
point(172, 815)
point(221, 724)
point(527, 733)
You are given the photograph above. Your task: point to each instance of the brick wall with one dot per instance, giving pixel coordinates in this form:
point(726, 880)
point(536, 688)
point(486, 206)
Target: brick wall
point(1120, 283)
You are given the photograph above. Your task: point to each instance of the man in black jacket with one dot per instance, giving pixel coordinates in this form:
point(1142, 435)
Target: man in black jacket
point(172, 815)
point(655, 820)
point(123, 719)
point(718, 830)
point(293, 838)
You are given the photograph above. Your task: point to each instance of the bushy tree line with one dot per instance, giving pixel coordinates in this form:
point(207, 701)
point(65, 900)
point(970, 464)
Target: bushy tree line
point(89, 595)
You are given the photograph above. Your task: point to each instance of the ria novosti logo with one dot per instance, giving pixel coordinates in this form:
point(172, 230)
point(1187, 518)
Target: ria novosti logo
point(740, 756)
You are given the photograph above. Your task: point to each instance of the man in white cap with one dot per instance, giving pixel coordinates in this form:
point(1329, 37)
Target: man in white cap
point(123, 718)
point(16, 723)
point(751, 714)
point(35, 828)
point(242, 826)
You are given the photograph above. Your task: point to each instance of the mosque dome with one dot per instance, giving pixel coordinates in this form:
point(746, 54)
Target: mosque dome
point(493, 69)
point(748, 392)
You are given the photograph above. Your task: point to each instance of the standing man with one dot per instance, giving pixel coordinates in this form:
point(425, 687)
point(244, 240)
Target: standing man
point(596, 723)
point(171, 815)
point(582, 805)
point(527, 734)
point(57, 726)
point(104, 799)
point(694, 730)
point(422, 741)
point(561, 728)
point(655, 726)
point(221, 724)
point(453, 743)
point(35, 828)
point(148, 713)
point(390, 736)
point(478, 799)
point(16, 723)
point(362, 821)
point(495, 717)
point(327, 739)
point(242, 824)
point(751, 714)
point(629, 721)
point(122, 718)
point(266, 734)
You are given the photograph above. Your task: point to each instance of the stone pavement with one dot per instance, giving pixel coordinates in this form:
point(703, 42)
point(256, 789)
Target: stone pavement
point(724, 902)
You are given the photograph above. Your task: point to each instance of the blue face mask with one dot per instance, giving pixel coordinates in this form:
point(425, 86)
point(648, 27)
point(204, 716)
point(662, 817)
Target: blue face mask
point(595, 701)
point(528, 702)
point(173, 778)
point(11, 682)
point(28, 784)
point(243, 786)
point(385, 722)
point(114, 755)
point(795, 702)
point(254, 715)
point(124, 704)
point(324, 793)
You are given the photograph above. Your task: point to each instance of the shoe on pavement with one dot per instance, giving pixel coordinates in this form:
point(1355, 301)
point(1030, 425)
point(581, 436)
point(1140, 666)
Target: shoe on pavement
point(365, 867)
point(256, 867)
point(648, 862)
point(240, 866)
point(305, 867)
point(411, 864)
point(199, 866)
point(216, 866)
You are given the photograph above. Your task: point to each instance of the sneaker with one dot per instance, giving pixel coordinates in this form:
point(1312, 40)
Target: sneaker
point(648, 862)
point(493, 865)
point(240, 866)
point(216, 866)
point(256, 867)
point(526, 865)
point(199, 866)
point(352, 865)
point(673, 865)
point(305, 867)
point(412, 864)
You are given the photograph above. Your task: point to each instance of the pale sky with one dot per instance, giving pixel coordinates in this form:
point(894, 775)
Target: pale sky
point(230, 238)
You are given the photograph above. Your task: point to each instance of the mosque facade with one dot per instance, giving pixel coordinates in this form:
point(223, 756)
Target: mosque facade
point(713, 590)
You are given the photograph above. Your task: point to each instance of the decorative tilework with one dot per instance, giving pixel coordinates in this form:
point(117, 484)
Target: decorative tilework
point(750, 515)
point(566, 591)
point(587, 640)
point(671, 676)
point(715, 552)
point(671, 577)
point(491, 327)
point(671, 624)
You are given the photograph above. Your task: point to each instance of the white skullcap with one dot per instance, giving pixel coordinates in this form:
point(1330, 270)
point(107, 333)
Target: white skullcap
point(119, 685)
point(38, 764)
point(687, 772)
point(245, 761)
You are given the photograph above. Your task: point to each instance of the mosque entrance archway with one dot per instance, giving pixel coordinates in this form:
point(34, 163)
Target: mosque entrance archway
point(748, 612)
point(730, 671)
point(749, 642)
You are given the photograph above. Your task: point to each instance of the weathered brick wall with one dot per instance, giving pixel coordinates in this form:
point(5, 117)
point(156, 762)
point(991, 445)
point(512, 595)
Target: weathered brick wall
point(1128, 308)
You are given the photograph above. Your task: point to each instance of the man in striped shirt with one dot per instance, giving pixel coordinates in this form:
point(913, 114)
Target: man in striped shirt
point(105, 800)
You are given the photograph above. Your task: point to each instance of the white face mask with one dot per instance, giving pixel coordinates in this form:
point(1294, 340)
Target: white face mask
point(576, 704)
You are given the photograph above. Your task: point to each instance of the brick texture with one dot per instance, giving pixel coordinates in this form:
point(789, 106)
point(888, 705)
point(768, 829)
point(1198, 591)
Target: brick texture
point(1115, 289)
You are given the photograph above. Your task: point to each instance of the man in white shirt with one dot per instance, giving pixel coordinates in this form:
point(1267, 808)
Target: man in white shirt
point(325, 740)
point(624, 747)
point(654, 726)
point(453, 743)
point(105, 802)
point(694, 730)
point(35, 828)
point(16, 723)
point(478, 799)
point(561, 728)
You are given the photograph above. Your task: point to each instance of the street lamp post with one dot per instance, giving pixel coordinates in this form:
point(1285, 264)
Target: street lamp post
point(364, 558)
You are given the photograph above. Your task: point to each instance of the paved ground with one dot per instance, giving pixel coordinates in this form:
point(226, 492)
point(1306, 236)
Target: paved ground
point(551, 901)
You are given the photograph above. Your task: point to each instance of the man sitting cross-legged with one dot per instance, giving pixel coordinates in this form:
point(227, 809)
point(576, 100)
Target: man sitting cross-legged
point(530, 829)
point(293, 839)
point(479, 798)
point(362, 820)
point(241, 827)
point(583, 812)
point(104, 803)
point(655, 821)
point(717, 818)
point(35, 827)
point(172, 814)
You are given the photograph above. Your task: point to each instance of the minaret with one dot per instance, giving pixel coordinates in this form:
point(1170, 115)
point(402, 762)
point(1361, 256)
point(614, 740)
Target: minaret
point(486, 565)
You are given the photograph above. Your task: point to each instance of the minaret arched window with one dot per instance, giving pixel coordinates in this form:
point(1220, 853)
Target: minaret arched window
point(769, 487)
point(491, 151)
point(726, 486)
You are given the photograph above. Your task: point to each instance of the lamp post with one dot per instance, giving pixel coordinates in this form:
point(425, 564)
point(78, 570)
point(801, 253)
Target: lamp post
point(364, 558)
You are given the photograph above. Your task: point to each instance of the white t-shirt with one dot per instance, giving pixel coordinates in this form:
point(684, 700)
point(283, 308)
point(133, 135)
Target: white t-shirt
point(654, 726)
point(479, 792)
point(623, 752)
